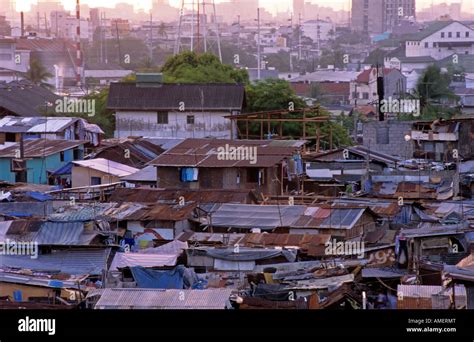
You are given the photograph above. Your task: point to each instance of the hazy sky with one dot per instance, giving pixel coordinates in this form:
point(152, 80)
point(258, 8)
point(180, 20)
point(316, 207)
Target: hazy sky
point(272, 5)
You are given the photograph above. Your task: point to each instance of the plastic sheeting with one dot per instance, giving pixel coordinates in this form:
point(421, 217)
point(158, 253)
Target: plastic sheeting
point(122, 260)
point(250, 254)
point(178, 278)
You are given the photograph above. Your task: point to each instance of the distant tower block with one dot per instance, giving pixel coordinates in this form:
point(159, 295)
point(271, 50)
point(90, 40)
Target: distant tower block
point(198, 29)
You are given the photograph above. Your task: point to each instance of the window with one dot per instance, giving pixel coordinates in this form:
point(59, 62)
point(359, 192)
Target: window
point(61, 156)
point(442, 34)
point(426, 45)
point(10, 137)
point(450, 34)
point(96, 181)
point(382, 135)
point(365, 96)
point(190, 119)
point(252, 175)
point(467, 34)
point(162, 118)
point(458, 34)
point(77, 154)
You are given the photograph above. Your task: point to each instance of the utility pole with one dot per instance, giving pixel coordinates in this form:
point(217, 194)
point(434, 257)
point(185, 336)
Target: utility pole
point(238, 32)
point(258, 44)
point(299, 36)
point(291, 41)
point(192, 27)
point(354, 113)
point(118, 43)
point(151, 37)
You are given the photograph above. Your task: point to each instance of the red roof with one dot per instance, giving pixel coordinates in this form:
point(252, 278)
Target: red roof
point(41, 44)
point(364, 76)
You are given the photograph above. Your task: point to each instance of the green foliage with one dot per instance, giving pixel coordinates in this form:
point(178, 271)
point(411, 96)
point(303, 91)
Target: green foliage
point(103, 116)
point(188, 67)
point(279, 61)
point(37, 73)
point(277, 95)
point(433, 87)
point(332, 57)
point(271, 95)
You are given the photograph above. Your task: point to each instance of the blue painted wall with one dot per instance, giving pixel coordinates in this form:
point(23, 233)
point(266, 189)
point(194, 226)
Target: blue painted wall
point(37, 167)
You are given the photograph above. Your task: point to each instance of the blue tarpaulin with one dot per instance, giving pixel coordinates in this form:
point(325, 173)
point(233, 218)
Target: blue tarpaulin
point(63, 170)
point(178, 278)
point(39, 196)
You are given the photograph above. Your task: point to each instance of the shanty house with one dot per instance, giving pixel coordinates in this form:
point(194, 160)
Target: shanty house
point(339, 222)
point(437, 140)
point(54, 128)
point(151, 108)
point(207, 164)
point(41, 158)
point(98, 171)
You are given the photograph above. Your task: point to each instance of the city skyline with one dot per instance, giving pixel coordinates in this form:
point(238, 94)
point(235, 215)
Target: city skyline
point(273, 6)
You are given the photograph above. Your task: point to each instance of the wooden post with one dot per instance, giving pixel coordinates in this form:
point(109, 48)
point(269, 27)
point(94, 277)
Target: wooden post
point(268, 124)
point(247, 128)
point(318, 133)
point(330, 137)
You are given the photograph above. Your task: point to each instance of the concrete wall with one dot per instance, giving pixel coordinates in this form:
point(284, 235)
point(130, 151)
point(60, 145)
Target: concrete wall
point(81, 176)
point(207, 124)
point(396, 131)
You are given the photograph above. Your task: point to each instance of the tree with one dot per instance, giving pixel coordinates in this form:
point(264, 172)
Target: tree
point(271, 95)
point(432, 90)
point(189, 67)
point(37, 73)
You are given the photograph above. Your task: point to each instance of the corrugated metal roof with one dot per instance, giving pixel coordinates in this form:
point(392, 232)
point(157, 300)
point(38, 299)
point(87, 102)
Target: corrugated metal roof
point(173, 195)
point(39, 148)
point(426, 291)
point(147, 174)
point(24, 98)
point(211, 299)
point(256, 216)
point(74, 261)
point(35, 124)
point(107, 166)
point(224, 97)
point(204, 153)
point(47, 233)
point(338, 218)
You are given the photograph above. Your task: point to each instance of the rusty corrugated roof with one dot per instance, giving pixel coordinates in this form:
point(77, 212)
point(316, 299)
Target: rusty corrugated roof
point(40, 148)
point(204, 153)
point(173, 195)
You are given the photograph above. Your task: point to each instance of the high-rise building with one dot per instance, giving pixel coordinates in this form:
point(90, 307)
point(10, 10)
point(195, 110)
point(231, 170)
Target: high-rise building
point(298, 8)
point(378, 16)
point(7, 7)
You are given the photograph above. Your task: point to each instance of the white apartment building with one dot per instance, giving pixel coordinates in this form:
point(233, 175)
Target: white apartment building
point(440, 40)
